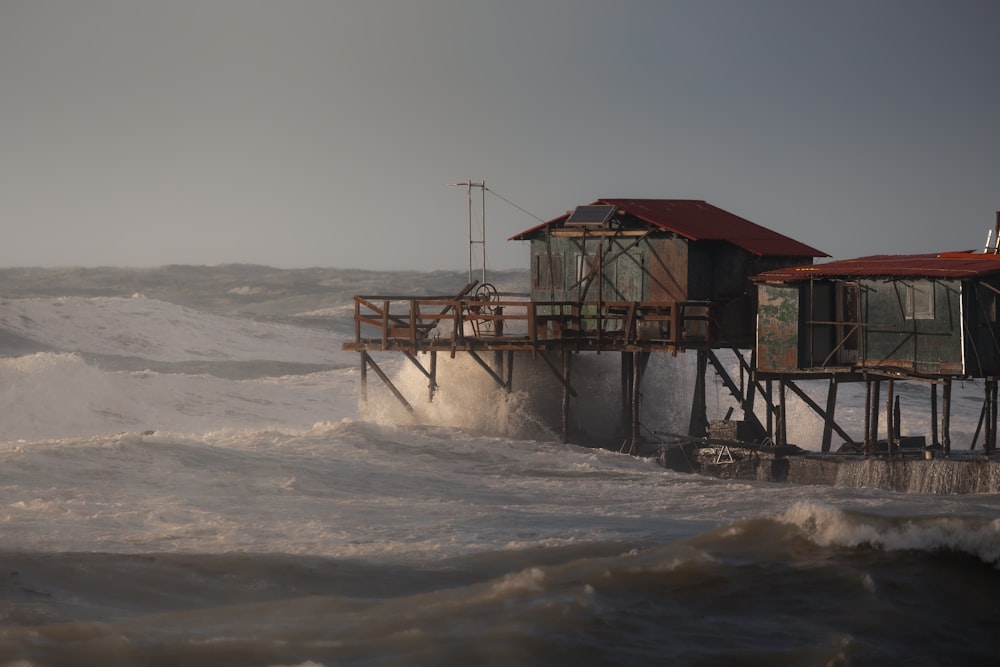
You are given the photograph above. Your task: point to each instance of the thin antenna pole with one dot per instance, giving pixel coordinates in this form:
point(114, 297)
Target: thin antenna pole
point(483, 236)
point(469, 184)
point(472, 242)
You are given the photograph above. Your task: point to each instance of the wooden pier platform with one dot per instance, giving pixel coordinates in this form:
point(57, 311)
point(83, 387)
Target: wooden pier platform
point(479, 320)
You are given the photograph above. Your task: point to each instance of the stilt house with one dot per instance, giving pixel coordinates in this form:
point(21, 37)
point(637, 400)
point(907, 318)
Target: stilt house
point(676, 254)
point(928, 315)
point(931, 318)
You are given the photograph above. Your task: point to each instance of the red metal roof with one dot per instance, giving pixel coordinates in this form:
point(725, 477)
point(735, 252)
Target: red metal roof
point(698, 220)
point(935, 265)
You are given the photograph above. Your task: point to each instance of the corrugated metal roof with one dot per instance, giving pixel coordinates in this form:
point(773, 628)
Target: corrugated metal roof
point(698, 220)
point(935, 265)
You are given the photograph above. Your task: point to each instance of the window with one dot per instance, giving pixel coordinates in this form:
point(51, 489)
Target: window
point(548, 270)
point(585, 266)
point(918, 301)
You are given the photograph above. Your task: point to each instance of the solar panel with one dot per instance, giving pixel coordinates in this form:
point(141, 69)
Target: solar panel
point(596, 215)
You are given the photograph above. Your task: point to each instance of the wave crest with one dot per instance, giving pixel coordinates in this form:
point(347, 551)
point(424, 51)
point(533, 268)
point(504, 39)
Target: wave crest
point(832, 527)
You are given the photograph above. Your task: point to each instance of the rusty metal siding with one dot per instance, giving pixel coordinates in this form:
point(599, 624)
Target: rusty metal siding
point(623, 267)
point(777, 327)
point(982, 314)
point(894, 338)
point(625, 273)
point(668, 269)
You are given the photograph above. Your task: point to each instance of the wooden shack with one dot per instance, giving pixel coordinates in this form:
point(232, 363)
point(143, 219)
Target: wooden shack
point(680, 253)
point(928, 317)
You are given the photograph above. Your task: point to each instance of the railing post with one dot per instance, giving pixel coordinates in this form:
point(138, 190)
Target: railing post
point(357, 320)
point(459, 326)
point(414, 313)
point(385, 324)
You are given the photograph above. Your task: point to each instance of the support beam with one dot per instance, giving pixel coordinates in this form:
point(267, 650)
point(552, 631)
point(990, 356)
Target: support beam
point(826, 415)
point(979, 424)
point(493, 374)
point(431, 374)
point(416, 362)
point(720, 370)
point(388, 383)
point(559, 375)
point(828, 422)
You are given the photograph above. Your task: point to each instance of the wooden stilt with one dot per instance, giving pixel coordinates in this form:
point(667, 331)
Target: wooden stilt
point(433, 385)
point(636, 382)
point(896, 428)
point(364, 382)
point(876, 390)
point(626, 392)
point(991, 443)
point(934, 416)
point(566, 394)
point(868, 417)
point(890, 389)
point(782, 415)
point(770, 410)
point(946, 417)
point(510, 371)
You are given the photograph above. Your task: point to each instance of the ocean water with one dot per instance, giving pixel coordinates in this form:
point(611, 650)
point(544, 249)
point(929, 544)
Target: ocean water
point(187, 478)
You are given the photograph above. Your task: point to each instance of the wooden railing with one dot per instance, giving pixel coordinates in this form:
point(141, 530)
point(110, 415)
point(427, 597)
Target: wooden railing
point(389, 322)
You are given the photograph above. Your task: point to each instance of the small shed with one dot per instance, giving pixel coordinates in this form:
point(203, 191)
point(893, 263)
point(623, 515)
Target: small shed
point(931, 315)
point(660, 251)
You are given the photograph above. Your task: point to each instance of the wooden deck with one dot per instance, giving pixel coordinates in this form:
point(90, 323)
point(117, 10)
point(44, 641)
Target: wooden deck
point(514, 323)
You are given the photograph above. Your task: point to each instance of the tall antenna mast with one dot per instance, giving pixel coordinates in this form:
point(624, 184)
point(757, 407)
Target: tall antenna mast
point(482, 232)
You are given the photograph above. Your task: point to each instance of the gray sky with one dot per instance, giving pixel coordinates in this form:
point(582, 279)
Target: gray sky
point(293, 133)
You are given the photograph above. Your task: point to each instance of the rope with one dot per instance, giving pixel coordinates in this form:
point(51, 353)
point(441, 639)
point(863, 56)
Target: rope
point(502, 198)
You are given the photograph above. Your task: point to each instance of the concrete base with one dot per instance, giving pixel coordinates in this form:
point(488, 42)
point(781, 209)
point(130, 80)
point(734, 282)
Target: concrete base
point(963, 472)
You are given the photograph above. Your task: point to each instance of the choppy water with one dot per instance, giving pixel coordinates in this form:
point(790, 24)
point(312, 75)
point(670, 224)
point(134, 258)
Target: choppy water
point(181, 483)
